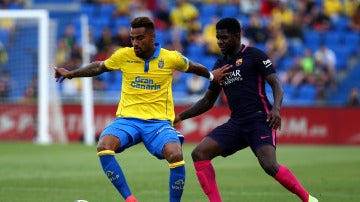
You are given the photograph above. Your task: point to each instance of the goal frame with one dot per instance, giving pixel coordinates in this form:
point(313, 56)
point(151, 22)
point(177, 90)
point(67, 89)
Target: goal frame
point(42, 16)
point(43, 135)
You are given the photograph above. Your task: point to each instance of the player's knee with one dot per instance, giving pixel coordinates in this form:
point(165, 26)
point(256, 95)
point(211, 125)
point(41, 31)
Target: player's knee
point(108, 143)
point(102, 147)
point(172, 153)
point(270, 168)
point(197, 155)
point(174, 156)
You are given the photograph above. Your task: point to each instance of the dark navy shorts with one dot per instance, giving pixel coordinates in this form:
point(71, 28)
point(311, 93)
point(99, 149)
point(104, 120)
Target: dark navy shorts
point(233, 136)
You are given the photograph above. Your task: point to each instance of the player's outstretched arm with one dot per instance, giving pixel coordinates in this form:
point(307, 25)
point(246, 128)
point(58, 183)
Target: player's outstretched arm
point(201, 106)
point(89, 70)
point(217, 75)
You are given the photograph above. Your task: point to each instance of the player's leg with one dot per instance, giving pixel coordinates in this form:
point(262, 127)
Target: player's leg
point(267, 158)
point(108, 144)
point(206, 150)
point(172, 152)
point(164, 142)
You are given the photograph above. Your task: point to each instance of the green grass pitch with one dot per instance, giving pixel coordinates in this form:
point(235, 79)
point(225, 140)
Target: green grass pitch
point(64, 173)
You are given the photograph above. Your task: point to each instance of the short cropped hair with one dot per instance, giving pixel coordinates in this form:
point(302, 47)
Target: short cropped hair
point(232, 25)
point(143, 22)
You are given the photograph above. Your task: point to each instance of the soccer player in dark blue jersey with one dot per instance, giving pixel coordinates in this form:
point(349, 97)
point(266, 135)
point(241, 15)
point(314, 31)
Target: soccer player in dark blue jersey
point(253, 121)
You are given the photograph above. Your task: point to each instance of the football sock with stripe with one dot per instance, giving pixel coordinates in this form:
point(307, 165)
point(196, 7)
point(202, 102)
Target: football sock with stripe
point(113, 171)
point(177, 180)
point(206, 175)
point(285, 177)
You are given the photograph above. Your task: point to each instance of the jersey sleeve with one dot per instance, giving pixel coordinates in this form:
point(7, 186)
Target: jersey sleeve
point(115, 61)
point(180, 62)
point(264, 64)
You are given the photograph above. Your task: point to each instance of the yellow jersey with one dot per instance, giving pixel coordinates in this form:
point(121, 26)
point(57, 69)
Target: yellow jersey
point(147, 83)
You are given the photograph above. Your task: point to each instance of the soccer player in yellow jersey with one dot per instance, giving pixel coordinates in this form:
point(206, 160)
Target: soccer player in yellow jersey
point(146, 110)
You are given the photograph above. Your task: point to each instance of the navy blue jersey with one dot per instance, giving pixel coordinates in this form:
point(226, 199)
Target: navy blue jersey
point(245, 87)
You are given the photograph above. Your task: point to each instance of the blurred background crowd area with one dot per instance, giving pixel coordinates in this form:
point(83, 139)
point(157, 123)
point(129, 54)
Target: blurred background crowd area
point(314, 44)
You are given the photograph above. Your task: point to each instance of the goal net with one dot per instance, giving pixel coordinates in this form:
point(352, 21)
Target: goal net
point(30, 104)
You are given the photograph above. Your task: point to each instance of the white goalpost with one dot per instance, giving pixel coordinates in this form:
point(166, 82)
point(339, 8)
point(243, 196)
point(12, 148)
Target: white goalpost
point(30, 54)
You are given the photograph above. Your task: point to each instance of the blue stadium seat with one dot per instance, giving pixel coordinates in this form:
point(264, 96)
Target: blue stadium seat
point(54, 1)
point(342, 57)
point(13, 6)
point(209, 9)
point(285, 63)
point(105, 10)
point(244, 21)
point(260, 46)
point(296, 49)
point(113, 81)
point(120, 22)
point(333, 38)
point(4, 36)
point(352, 42)
point(100, 22)
point(306, 93)
point(341, 24)
point(195, 50)
point(180, 85)
point(162, 37)
point(88, 9)
point(289, 92)
point(312, 38)
point(207, 61)
point(229, 10)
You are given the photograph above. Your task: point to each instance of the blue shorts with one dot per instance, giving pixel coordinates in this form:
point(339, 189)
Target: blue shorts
point(153, 133)
point(233, 136)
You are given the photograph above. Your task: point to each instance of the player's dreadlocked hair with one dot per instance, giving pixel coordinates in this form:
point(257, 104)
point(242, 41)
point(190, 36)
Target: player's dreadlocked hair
point(232, 25)
point(143, 22)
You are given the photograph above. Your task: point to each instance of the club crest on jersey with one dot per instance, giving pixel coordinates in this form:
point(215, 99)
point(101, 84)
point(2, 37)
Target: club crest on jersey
point(161, 63)
point(239, 62)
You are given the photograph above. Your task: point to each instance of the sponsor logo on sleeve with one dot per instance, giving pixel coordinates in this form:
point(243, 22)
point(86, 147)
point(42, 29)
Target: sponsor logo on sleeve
point(267, 63)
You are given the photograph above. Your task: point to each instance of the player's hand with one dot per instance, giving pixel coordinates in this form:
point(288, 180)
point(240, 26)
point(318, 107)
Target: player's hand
point(177, 120)
point(274, 119)
point(61, 74)
point(221, 73)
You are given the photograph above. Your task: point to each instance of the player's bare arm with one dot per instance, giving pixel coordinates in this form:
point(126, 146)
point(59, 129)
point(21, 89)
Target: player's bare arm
point(217, 75)
point(89, 70)
point(273, 117)
point(201, 106)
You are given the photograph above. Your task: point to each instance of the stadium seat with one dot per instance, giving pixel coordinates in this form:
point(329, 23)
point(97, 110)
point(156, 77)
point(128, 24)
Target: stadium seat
point(352, 42)
point(285, 63)
point(306, 93)
point(289, 92)
point(162, 37)
point(341, 24)
point(209, 9)
point(229, 10)
point(208, 61)
point(87, 9)
point(312, 38)
point(120, 22)
point(333, 38)
point(260, 46)
point(4, 36)
point(105, 10)
point(195, 50)
point(342, 57)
